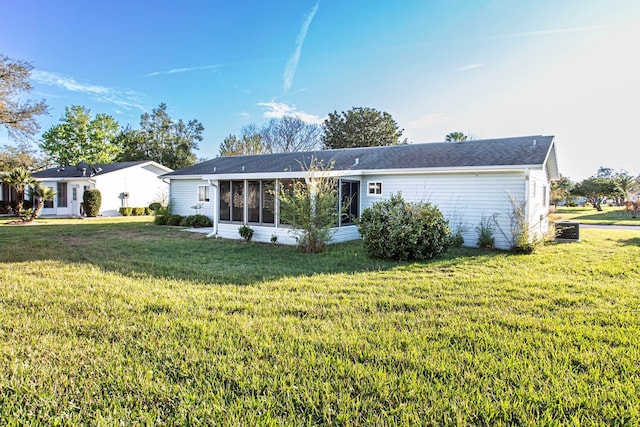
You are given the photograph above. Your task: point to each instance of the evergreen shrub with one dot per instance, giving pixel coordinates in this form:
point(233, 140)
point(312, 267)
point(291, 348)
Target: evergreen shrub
point(399, 230)
point(92, 200)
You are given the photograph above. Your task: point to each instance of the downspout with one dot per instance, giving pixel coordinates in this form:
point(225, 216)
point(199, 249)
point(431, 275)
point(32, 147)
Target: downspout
point(214, 198)
point(527, 197)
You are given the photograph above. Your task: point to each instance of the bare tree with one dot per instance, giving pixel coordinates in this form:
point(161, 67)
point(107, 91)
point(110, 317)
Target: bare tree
point(289, 134)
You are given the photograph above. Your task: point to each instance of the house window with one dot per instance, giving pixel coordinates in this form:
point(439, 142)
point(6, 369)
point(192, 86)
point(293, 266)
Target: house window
point(225, 201)
point(237, 205)
point(375, 188)
point(62, 195)
point(350, 198)
point(231, 202)
point(260, 202)
point(268, 205)
point(203, 193)
point(74, 193)
point(48, 204)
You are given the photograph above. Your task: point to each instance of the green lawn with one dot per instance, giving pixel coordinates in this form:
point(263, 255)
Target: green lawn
point(106, 322)
point(610, 215)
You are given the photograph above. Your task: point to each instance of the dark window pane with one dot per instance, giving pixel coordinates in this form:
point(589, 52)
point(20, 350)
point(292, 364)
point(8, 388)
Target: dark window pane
point(349, 191)
point(237, 210)
point(48, 204)
point(253, 201)
point(225, 198)
point(62, 195)
point(268, 202)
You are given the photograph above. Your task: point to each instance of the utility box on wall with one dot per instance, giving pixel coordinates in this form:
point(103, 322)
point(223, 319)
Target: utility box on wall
point(567, 231)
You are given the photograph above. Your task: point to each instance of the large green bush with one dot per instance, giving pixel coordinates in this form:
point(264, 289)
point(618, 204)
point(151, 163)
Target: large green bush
point(92, 199)
point(125, 211)
point(196, 221)
point(139, 211)
point(395, 229)
point(174, 220)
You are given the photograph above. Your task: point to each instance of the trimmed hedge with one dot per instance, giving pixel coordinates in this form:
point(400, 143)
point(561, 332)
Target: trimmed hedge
point(91, 200)
point(395, 229)
point(194, 221)
point(137, 211)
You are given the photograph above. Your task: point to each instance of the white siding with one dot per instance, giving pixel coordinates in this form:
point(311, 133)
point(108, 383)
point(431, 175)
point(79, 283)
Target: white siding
point(141, 183)
point(463, 198)
point(184, 196)
point(73, 206)
point(538, 204)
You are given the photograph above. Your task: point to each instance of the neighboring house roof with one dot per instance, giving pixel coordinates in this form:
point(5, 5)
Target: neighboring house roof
point(528, 151)
point(91, 171)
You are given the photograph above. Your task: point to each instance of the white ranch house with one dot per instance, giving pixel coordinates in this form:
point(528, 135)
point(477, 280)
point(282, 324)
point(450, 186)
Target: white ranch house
point(466, 180)
point(133, 184)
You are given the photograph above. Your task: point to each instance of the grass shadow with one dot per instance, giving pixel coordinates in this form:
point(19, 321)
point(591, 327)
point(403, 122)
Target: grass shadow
point(143, 249)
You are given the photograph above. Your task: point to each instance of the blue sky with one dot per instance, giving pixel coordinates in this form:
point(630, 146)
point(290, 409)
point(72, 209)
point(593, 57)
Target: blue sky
point(488, 68)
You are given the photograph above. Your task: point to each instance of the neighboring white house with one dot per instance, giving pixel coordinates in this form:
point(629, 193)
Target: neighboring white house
point(466, 180)
point(134, 184)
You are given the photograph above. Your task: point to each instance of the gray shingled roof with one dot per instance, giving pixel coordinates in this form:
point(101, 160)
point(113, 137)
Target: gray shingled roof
point(74, 172)
point(477, 153)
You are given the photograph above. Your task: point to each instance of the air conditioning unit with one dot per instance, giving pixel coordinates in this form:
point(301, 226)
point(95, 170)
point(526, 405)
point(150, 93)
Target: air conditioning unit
point(567, 231)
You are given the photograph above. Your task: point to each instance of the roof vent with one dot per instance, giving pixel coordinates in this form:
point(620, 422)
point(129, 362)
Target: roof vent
point(243, 169)
point(357, 161)
point(534, 142)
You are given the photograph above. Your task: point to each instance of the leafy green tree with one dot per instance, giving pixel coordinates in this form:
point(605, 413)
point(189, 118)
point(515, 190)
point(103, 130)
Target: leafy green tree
point(597, 190)
point(361, 127)
point(604, 172)
point(22, 154)
point(626, 182)
point(561, 190)
point(455, 137)
point(41, 194)
point(311, 207)
point(18, 116)
point(19, 178)
point(80, 138)
point(161, 139)
point(288, 134)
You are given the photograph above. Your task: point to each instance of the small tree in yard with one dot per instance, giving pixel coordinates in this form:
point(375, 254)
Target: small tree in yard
point(20, 179)
point(42, 194)
point(92, 199)
point(596, 190)
point(395, 229)
point(310, 206)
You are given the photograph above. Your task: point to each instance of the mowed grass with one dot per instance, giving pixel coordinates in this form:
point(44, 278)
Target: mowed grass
point(610, 215)
point(123, 322)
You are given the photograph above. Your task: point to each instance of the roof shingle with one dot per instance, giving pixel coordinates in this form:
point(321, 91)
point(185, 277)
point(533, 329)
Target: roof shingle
point(527, 150)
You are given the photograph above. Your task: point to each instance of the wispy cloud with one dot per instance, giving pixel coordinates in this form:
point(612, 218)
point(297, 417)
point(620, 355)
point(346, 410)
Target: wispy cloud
point(124, 98)
point(280, 109)
point(428, 120)
point(470, 67)
point(548, 32)
point(186, 69)
point(292, 64)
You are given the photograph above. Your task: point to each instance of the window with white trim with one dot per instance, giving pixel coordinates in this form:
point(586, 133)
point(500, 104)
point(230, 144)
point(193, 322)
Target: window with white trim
point(203, 193)
point(374, 188)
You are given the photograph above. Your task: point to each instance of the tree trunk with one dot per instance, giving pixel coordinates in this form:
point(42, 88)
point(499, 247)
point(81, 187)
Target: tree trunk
point(37, 209)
